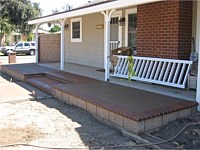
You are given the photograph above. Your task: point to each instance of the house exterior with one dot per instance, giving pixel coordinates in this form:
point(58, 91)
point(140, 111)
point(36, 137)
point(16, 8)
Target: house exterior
point(156, 28)
point(8, 39)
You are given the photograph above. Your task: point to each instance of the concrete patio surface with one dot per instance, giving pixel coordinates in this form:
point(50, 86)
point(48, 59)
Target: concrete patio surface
point(122, 107)
point(99, 75)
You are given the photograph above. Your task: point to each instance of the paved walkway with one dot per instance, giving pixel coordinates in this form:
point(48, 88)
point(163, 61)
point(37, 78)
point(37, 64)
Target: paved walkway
point(19, 59)
point(17, 91)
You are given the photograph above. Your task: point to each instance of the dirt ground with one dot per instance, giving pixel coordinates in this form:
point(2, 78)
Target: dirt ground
point(188, 138)
point(54, 124)
point(49, 123)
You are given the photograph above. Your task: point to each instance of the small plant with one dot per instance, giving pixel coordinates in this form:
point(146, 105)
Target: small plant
point(131, 72)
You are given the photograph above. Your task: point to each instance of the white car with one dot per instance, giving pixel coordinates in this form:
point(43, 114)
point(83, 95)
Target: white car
point(20, 48)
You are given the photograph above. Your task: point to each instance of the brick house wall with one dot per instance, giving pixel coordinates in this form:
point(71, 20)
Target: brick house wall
point(49, 48)
point(164, 29)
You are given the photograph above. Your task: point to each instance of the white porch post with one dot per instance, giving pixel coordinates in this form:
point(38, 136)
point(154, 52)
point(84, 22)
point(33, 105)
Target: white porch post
point(198, 50)
point(36, 42)
point(107, 15)
point(62, 45)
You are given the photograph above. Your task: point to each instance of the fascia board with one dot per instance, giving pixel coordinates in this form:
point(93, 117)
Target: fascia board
point(93, 9)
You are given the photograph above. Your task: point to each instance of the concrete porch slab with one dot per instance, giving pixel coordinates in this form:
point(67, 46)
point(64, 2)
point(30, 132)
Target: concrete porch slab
point(122, 107)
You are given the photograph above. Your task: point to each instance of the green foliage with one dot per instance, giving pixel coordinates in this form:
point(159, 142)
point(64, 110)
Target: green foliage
point(5, 26)
point(55, 28)
point(29, 37)
point(66, 7)
point(16, 13)
point(37, 9)
point(130, 68)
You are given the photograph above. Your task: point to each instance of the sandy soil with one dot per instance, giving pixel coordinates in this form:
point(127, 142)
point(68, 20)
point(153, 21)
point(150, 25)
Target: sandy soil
point(51, 123)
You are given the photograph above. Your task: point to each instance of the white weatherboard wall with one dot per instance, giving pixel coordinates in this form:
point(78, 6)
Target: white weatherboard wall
point(89, 52)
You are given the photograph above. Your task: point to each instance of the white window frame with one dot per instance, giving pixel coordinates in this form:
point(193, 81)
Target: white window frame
point(119, 15)
point(128, 11)
point(76, 39)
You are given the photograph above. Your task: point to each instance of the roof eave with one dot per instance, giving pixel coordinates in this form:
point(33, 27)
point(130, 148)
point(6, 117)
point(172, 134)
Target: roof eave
point(94, 9)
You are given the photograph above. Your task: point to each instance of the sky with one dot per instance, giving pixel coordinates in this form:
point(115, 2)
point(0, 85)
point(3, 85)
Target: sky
point(48, 5)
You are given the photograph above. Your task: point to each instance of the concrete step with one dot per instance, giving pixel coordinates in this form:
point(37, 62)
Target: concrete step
point(69, 77)
point(43, 83)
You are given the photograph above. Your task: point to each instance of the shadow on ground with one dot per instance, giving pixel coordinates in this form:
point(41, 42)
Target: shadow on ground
point(91, 131)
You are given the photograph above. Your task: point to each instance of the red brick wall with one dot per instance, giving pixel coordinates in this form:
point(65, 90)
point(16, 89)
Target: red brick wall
point(164, 29)
point(185, 29)
point(49, 48)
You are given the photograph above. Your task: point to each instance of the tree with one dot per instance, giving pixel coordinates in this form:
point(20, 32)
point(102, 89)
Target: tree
point(37, 9)
point(55, 28)
point(66, 7)
point(5, 26)
point(55, 11)
point(16, 14)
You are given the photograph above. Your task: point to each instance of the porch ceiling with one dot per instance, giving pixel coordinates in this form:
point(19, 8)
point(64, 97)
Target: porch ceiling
point(92, 9)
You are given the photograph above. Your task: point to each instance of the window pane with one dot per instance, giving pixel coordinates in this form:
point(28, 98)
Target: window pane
point(76, 34)
point(20, 44)
point(76, 25)
point(76, 30)
point(132, 26)
point(114, 20)
point(26, 44)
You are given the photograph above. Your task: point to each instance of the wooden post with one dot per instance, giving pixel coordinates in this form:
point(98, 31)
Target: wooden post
point(107, 16)
point(62, 45)
point(36, 42)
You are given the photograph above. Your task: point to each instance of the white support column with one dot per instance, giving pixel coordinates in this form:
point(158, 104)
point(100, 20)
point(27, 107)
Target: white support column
point(107, 15)
point(36, 42)
point(62, 45)
point(198, 50)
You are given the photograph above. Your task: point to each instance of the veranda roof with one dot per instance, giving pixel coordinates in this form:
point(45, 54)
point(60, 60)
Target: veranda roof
point(91, 8)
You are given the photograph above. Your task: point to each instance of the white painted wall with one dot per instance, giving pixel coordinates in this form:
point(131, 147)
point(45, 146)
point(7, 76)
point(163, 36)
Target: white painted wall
point(90, 51)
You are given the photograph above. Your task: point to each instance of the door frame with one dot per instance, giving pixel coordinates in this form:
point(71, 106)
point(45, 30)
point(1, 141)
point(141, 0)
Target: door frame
point(128, 11)
point(119, 15)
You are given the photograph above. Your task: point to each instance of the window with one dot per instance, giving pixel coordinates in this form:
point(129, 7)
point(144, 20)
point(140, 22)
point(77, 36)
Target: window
point(114, 20)
point(20, 45)
point(131, 28)
point(26, 44)
point(32, 44)
point(76, 30)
